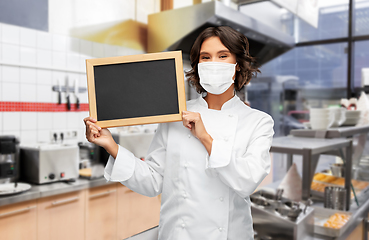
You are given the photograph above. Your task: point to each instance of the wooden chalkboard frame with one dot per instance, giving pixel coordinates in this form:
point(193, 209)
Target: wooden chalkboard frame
point(176, 55)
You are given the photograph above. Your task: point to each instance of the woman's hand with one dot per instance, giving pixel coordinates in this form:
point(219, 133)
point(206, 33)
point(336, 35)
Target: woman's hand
point(99, 136)
point(193, 121)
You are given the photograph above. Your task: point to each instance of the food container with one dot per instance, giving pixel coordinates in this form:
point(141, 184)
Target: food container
point(321, 216)
point(282, 218)
point(338, 169)
point(335, 198)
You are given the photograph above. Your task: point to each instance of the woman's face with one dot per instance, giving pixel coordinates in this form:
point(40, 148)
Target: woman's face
point(213, 50)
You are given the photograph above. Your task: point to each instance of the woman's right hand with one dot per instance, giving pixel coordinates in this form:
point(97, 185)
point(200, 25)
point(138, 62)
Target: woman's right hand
point(99, 136)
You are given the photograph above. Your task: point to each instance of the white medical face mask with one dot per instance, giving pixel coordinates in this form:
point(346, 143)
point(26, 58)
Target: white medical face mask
point(216, 77)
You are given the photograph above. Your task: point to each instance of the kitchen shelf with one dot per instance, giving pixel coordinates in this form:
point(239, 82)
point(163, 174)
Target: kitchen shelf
point(310, 149)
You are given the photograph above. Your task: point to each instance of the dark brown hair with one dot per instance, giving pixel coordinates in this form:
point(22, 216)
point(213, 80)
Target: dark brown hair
point(236, 43)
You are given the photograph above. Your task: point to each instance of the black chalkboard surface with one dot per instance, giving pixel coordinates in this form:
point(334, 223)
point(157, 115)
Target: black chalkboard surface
point(138, 89)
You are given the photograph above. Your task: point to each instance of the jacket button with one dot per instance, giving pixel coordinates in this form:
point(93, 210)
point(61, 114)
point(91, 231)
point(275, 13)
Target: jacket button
point(189, 135)
point(183, 225)
point(185, 165)
point(226, 139)
point(230, 115)
point(221, 199)
point(220, 229)
point(184, 195)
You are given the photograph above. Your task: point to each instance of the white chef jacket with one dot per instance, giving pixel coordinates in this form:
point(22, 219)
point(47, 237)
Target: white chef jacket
point(203, 197)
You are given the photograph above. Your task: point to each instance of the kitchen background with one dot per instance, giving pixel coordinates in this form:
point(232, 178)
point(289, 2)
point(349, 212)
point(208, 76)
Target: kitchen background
point(45, 43)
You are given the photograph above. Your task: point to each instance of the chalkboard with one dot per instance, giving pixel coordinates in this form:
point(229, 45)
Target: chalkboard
point(136, 89)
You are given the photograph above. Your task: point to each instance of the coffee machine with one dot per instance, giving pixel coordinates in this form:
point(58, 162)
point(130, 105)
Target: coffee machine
point(9, 159)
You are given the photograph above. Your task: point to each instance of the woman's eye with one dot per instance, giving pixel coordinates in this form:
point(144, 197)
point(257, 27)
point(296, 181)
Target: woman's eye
point(223, 56)
point(205, 57)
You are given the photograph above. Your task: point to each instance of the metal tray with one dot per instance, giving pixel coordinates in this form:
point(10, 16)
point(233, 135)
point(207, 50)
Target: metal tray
point(10, 189)
point(321, 215)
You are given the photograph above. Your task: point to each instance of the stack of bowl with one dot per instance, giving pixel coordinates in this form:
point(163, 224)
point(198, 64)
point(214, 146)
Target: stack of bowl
point(320, 118)
point(337, 116)
point(352, 117)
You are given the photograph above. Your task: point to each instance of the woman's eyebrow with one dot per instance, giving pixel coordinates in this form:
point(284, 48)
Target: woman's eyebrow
point(224, 51)
point(221, 51)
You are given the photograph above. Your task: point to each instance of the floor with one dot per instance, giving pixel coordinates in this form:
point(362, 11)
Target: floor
point(151, 234)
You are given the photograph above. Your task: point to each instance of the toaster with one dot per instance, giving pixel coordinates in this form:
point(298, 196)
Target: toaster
point(49, 163)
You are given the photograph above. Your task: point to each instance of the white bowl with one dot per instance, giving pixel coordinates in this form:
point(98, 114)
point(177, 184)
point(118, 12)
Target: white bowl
point(322, 123)
point(319, 110)
point(351, 121)
point(319, 115)
point(353, 113)
point(337, 116)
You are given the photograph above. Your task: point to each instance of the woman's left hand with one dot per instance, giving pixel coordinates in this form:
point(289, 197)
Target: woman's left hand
point(193, 121)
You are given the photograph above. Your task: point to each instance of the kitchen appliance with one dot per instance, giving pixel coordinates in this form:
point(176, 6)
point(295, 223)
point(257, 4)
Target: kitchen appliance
point(87, 154)
point(49, 163)
point(281, 219)
point(335, 197)
point(92, 160)
point(177, 29)
point(9, 159)
point(138, 142)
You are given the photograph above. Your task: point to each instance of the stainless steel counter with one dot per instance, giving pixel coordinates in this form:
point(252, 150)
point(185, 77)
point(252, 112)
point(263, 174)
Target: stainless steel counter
point(46, 190)
point(358, 212)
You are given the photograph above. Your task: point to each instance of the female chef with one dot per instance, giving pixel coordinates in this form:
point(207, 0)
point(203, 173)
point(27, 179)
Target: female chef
point(206, 166)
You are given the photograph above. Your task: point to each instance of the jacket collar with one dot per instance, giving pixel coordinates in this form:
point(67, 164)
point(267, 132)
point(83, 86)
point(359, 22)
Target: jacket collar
point(227, 105)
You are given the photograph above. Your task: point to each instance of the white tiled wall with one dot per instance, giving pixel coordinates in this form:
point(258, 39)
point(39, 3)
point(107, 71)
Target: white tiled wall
point(31, 62)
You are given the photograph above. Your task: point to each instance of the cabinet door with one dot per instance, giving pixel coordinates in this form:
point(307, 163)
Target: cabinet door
point(61, 217)
point(357, 233)
point(19, 221)
point(101, 214)
point(136, 213)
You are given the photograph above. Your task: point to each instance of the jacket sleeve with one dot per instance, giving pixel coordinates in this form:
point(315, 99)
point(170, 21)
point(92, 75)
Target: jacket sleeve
point(143, 177)
point(243, 173)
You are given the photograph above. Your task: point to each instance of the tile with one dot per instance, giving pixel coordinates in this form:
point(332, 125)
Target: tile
point(73, 45)
point(97, 50)
point(73, 120)
point(28, 56)
point(43, 136)
point(59, 121)
point(10, 34)
point(85, 48)
point(59, 60)
point(10, 74)
point(44, 120)
point(59, 43)
point(81, 137)
point(73, 61)
point(15, 133)
point(10, 92)
point(28, 92)
point(82, 63)
point(110, 50)
point(44, 58)
point(28, 75)
point(122, 51)
point(58, 75)
point(11, 121)
point(44, 93)
point(1, 122)
point(44, 40)
point(44, 76)
point(10, 53)
point(28, 121)
point(28, 136)
point(27, 37)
